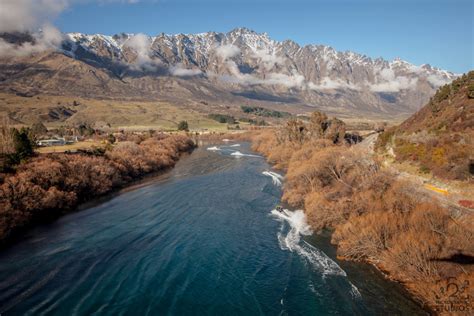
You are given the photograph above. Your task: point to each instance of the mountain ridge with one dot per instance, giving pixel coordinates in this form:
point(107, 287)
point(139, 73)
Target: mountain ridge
point(240, 66)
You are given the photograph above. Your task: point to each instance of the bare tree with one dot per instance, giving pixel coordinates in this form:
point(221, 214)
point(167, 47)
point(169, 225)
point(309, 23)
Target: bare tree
point(6, 137)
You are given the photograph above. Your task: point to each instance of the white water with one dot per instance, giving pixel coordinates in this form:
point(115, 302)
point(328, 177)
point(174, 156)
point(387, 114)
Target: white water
point(292, 242)
point(355, 291)
point(239, 154)
point(276, 178)
point(235, 153)
point(214, 148)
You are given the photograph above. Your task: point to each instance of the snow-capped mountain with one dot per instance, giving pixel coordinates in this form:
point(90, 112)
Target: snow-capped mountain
point(244, 66)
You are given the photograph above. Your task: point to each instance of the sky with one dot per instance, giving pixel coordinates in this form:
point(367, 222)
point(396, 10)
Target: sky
point(437, 32)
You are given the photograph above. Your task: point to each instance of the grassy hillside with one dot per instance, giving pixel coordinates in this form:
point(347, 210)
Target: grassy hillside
point(438, 139)
point(55, 111)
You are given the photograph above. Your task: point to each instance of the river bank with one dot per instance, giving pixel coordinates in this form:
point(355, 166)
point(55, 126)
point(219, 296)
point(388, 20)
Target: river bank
point(49, 185)
point(174, 246)
point(374, 218)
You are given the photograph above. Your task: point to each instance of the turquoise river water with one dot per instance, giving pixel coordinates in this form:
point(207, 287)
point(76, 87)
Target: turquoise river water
point(202, 239)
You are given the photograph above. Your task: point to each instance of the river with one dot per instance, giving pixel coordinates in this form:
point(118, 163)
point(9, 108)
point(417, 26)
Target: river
point(201, 239)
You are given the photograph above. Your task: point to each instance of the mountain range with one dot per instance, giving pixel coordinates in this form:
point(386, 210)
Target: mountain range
point(212, 69)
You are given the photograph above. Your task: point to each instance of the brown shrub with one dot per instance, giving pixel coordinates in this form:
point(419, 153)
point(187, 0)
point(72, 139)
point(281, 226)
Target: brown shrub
point(49, 184)
point(374, 216)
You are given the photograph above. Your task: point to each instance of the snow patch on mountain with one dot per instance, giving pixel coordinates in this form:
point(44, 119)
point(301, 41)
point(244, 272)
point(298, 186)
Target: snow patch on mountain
point(267, 62)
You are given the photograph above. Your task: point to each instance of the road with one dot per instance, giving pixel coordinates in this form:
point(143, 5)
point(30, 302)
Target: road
point(444, 192)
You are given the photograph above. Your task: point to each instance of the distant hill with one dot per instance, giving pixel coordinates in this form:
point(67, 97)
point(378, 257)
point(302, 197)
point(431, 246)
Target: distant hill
point(439, 138)
point(237, 68)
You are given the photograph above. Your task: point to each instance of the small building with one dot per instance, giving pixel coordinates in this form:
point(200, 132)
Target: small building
point(51, 142)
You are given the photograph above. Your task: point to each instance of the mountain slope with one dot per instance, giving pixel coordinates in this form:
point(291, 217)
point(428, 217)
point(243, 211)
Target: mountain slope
point(450, 110)
point(231, 68)
point(439, 138)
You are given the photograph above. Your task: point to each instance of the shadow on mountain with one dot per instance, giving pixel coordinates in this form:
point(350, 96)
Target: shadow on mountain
point(10, 72)
point(262, 96)
point(246, 69)
point(388, 97)
point(118, 69)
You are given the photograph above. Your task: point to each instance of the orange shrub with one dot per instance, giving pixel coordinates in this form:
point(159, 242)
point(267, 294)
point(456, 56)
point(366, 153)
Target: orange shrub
point(374, 216)
point(47, 185)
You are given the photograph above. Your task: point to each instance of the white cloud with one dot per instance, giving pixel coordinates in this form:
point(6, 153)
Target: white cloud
point(268, 60)
point(31, 16)
point(294, 80)
point(332, 84)
point(28, 15)
point(227, 51)
point(438, 80)
point(25, 15)
point(141, 45)
point(49, 38)
point(401, 83)
point(179, 71)
point(387, 81)
point(416, 69)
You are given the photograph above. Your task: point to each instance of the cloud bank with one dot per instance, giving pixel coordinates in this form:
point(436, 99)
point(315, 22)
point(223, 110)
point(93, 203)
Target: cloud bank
point(438, 81)
point(141, 45)
point(48, 38)
point(268, 60)
point(180, 71)
point(332, 84)
point(27, 15)
point(35, 17)
point(387, 81)
point(227, 51)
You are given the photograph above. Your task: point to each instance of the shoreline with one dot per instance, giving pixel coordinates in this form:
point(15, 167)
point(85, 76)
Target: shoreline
point(136, 183)
point(324, 238)
point(418, 299)
point(402, 287)
point(46, 216)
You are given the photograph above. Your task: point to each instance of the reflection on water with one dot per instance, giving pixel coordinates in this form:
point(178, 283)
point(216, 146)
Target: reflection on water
point(202, 239)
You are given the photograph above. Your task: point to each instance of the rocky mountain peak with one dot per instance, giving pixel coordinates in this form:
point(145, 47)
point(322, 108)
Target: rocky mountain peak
point(243, 60)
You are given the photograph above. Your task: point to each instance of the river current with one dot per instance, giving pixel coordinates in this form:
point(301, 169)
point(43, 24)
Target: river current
point(202, 239)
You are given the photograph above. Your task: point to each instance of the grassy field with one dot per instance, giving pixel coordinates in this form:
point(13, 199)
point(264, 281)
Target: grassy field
point(70, 147)
point(56, 111)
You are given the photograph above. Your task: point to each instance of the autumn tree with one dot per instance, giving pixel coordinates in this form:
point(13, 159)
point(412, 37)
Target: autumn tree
point(317, 125)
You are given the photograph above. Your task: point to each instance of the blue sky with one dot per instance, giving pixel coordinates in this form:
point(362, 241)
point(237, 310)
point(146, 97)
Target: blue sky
point(438, 32)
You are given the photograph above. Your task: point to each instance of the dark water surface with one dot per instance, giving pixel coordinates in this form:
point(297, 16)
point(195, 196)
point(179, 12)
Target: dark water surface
point(201, 239)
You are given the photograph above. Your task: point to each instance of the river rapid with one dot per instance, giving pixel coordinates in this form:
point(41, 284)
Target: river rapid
point(203, 239)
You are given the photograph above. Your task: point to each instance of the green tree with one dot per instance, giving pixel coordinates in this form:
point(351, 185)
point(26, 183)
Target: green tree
point(85, 129)
point(111, 139)
point(22, 143)
point(470, 91)
point(183, 126)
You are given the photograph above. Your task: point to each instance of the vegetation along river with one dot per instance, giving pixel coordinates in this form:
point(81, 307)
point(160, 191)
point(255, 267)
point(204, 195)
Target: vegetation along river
point(200, 239)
